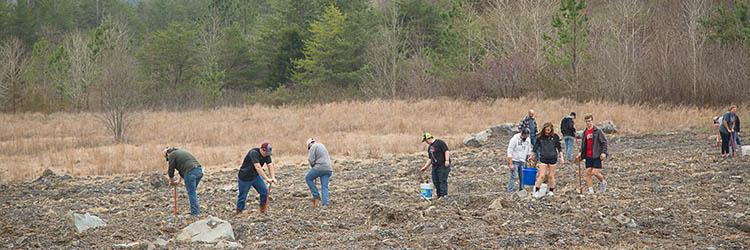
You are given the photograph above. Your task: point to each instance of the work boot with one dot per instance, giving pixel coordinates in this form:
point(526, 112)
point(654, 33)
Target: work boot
point(263, 209)
point(315, 202)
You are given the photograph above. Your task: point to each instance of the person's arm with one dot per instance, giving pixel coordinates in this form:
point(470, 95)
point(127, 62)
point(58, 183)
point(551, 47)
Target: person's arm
point(426, 165)
point(510, 151)
point(447, 158)
point(725, 124)
point(311, 156)
point(604, 150)
point(172, 167)
point(260, 171)
point(272, 171)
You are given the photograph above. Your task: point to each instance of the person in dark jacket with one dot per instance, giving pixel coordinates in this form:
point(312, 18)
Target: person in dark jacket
point(440, 161)
point(594, 151)
point(548, 149)
point(727, 130)
point(251, 174)
point(190, 170)
point(568, 130)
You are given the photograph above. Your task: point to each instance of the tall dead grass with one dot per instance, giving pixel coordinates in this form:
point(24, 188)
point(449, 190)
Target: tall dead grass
point(74, 143)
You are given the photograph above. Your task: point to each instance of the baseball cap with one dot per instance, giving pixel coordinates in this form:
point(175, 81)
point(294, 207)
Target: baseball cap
point(525, 131)
point(267, 147)
point(426, 136)
point(308, 142)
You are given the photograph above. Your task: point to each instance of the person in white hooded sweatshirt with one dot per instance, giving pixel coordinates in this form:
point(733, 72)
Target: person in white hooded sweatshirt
point(519, 149)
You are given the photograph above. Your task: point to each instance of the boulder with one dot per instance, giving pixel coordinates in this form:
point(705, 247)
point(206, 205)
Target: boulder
point(209, 230)
point(625, 221)
point(478, 139)
point(504, 129)
point(86, 221)
point(497, 204)
point(745, 150)
point(608, 127)
point(134, 245)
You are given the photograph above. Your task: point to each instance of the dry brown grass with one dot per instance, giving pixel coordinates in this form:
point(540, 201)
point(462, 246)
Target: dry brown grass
point(75, 143)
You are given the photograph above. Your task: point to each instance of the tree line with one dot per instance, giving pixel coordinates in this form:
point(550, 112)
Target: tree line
point(112, 56)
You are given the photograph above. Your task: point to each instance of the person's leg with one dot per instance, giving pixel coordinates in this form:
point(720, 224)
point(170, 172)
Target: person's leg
point(443, 175)
point(569, 141)
point(260, 186)
point(589, 172)
point(541, 171)
point(242, 187)
point(724, 144)
point(310, 180)
point(519, 169)
point(551, 170)
point(436, 181)
point(191, 185)
point(512, 179)
point(324, 181)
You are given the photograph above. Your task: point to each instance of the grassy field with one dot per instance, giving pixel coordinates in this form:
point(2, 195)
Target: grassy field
point(76, 144)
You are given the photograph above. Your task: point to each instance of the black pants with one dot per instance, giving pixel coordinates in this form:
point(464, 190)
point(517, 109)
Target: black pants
point(440, 179)
point(725, 142)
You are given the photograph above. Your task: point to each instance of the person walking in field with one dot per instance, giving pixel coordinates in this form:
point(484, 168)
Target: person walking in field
point(190, 170)
point(529, 122)
point(321, 167)
point(548, 149)
point(251, 174)
point(568, 130)
point(440, 161)
point(727, 130)
point(594, 151)
point(519, 149)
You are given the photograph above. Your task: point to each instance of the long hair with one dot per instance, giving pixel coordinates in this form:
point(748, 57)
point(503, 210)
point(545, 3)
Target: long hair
point(546, 125)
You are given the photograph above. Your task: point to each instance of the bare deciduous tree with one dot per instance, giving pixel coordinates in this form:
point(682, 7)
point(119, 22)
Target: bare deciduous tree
point(692, 12)
point(14, 65)
point(385, 58)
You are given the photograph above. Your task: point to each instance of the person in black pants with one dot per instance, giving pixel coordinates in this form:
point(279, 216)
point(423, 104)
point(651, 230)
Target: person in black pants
point(550, 154)
point(440, 161)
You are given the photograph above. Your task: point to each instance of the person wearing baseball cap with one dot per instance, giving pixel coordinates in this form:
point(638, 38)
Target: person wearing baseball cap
point(321, 167)
point(189, 169)
point(251, 174)
point(440, 161)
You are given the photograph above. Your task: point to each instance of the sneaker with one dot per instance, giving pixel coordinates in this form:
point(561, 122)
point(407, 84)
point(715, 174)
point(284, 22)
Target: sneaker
point(550, 194)
point(538, 194)
point(603, 187)
point(591, 190)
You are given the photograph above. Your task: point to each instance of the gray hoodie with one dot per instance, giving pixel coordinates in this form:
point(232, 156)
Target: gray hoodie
point(318, 157)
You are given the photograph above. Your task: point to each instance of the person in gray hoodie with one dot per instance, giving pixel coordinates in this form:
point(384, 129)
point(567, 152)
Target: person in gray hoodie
point(594, 150)
point(320, 167)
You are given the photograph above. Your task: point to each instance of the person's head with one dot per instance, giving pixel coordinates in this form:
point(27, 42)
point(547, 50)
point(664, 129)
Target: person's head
point(427, 138)
point(525, 134)
point(309, 142)
point(265, 149)
point(573, 115)
point(548, 129)
point(167, 151)
point(531, 113)
point(733, 109)
point(589, 119)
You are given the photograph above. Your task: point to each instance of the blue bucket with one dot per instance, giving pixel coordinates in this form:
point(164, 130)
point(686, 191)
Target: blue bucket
point(529, 176)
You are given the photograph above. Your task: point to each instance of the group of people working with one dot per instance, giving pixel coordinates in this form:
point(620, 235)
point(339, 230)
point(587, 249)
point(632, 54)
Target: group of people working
point(251, 174)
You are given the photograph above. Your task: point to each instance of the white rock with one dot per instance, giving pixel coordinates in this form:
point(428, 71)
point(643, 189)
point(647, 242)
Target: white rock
point(134, 245)
point(209, 230)
point(746, 150)
point(505, 128)
point(497, 204)
point(228, 245)
point(477, 139)
point(607, 127)
point(86, 221)
point(161, 242)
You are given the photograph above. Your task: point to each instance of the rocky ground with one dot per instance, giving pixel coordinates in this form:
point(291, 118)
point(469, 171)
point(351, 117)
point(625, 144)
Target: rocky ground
point(665, 191)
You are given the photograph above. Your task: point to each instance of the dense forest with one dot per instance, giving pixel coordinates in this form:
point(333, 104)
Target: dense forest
point(92, 55)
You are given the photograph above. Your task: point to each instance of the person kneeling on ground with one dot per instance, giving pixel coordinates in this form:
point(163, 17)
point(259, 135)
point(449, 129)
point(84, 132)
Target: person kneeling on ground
point(519, 148)
point(440, 161)
point(321, 167)
point(251, 174)
point(594, 150)
point(550, 153)
point(190, 170)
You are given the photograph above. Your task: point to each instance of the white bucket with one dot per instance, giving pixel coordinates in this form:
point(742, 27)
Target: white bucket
point(425, 189)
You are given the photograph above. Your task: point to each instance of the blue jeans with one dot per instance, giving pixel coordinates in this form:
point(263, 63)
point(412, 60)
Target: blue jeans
point(244, 186)
point(569, 143)
point(325, 177)
point(191, 185)
point(518, 167)
point(440, 180)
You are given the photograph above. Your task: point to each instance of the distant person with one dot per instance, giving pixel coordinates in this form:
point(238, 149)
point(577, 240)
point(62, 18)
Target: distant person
point(190, 170)
point(321, 167)
point(594, 151)
point(440, 161)
point(548, 149)
point(519, 149)
point(727, 129)
point(529, 122)
point(568, 130)
point(737, 140)
point(251, 174)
